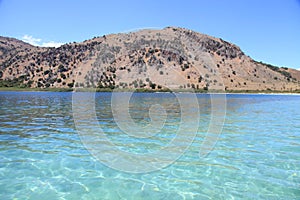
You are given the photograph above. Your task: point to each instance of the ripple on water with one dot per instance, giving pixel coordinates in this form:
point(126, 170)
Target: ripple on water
point(257, 155)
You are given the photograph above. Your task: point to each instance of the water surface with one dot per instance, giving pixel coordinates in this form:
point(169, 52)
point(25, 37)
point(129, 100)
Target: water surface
point(256, 157)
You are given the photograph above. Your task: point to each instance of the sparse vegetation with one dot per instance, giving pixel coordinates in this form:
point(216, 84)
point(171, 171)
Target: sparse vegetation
point(277, 69)
point(127, 66)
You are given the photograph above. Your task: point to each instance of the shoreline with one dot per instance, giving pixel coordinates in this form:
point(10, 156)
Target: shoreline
point(16, 89)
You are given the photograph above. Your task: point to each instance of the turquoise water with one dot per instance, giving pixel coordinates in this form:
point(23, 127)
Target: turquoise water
point(257, 155)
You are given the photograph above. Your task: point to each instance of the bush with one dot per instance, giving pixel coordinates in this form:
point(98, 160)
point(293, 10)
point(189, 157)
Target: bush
point(39, 84)
point(63, 76)
point(151, 51)
point(46, 72)
point(200, 79)
point(61, 68)
point(152, 85)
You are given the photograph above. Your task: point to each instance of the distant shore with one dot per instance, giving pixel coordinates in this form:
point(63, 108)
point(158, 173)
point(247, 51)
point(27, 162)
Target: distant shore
point(140, 90)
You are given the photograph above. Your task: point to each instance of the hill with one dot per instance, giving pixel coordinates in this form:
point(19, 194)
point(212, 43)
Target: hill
point(171, 58)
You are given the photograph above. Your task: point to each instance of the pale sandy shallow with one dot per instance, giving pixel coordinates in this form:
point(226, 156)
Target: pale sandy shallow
point(266, 93)
point(297, 94)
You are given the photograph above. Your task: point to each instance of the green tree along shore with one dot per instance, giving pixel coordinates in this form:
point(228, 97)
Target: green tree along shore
point(17, 84)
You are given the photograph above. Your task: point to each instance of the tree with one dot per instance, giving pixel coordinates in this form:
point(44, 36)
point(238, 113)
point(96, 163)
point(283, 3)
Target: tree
point(152, 85)
point(70, 85)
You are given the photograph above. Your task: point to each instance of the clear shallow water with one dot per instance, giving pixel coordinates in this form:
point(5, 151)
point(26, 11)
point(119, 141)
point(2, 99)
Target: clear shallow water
point(256, 157)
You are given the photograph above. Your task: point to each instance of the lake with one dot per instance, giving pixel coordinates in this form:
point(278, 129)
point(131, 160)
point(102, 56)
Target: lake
point(50, 146)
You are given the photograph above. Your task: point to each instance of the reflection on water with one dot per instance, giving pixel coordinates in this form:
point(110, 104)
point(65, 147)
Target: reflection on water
point(42, 157)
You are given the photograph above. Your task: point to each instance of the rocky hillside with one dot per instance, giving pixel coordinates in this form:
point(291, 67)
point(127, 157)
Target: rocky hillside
point(173, 58)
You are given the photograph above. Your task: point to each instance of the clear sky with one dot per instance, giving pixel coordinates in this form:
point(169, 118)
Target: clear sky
point(266, 30)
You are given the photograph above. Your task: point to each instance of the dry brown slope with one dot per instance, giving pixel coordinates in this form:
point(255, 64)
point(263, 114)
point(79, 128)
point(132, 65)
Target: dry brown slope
point(169, 58)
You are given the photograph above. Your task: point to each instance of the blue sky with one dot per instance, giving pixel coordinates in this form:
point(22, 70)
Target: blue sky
point(266, 30)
